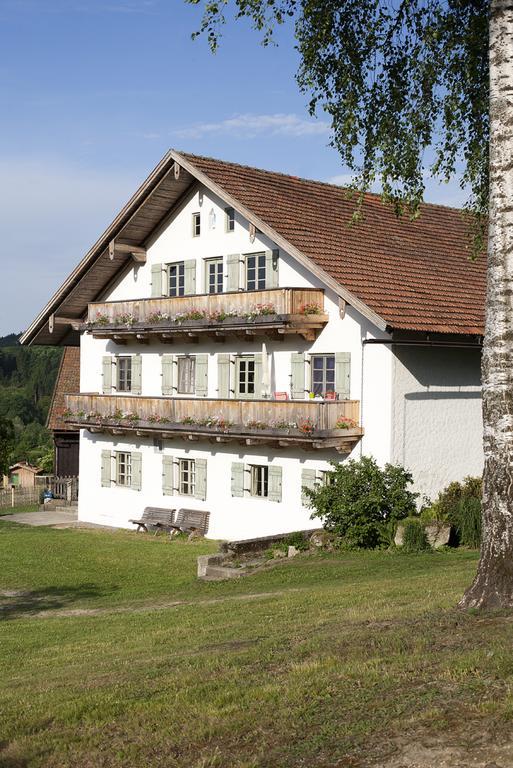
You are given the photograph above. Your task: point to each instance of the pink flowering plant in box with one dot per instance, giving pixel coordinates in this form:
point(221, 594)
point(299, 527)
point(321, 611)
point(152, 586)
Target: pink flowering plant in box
point(344, 422)
point(101, 319)
point(222, 314)
point(126, 318)
point(155, 418)
point(158, 317)
point(259, 310)
point(306, 427)
point(310, 308)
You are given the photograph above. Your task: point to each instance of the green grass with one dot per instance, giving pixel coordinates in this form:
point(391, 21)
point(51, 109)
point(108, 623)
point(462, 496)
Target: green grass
point(114, 655)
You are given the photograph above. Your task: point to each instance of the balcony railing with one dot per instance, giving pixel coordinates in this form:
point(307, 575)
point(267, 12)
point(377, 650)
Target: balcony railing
point(277, 311)
point(308, 424)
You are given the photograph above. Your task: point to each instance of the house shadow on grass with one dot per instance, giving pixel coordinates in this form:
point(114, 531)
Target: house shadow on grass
point(15, 604)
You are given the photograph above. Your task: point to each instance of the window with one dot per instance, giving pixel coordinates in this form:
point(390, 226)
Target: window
point(123, 469)
point(255, 272)
point(326, 477)
point(124, 374)
point(214, 275)
point(186, 477)
point(245, 376)
point(177, 279)
point(230, 219)
point(186, 375)
point(196, 224)
point(259, 481)
point(323, 374)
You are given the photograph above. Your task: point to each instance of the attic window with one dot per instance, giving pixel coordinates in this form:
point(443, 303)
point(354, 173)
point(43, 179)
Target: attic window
point(230, 219)
point(196, 225)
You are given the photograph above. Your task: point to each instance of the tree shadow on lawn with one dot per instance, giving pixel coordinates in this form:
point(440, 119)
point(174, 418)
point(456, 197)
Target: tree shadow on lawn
point(17, 603)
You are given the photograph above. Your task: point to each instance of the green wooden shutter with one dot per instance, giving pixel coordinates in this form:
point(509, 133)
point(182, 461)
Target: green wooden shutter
point(190, 276)
point(271, 268)
point(258, 375)
point(106, 469)
point(274, 483)
point(308, 478)
point(297, 370)
point(136, 470)
point(156, 280)
point(343, 374)
point(136, 374)
point(107, 375)
point(201, 380)
point(200, 488)
point(237, 478)
point(167, 374)
point(223, 375)
point(233, 270)
point(167, 475)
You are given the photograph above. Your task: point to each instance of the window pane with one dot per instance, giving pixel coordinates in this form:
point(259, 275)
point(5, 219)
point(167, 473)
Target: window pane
point(186, 375)
point(124, 369)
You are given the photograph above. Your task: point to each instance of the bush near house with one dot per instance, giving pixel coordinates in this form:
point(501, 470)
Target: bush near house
point(363, 502)
point(459, 505)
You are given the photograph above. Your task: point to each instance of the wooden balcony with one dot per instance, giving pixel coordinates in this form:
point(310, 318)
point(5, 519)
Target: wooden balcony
point(308, 424)
point(275, 312)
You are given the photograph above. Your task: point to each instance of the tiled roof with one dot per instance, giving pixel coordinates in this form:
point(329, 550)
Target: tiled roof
point(417, 276)
point(68, 382)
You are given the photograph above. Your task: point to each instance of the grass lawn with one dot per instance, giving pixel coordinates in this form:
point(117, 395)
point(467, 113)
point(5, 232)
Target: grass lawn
point(114, 655)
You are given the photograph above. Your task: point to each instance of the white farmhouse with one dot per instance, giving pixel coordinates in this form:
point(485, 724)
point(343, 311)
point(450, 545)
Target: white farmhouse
point(237, 334)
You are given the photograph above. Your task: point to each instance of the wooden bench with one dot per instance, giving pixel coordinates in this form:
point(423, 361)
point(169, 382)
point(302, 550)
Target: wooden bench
point(157, 517)
point(191, 521)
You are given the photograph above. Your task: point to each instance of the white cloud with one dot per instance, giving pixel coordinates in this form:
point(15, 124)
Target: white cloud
point(50, 214)
point(249, 126)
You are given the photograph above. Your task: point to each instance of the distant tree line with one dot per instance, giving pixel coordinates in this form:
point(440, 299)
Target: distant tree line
point(27, 379)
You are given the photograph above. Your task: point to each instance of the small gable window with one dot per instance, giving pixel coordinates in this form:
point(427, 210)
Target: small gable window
point(230, 219)
point(196, 224)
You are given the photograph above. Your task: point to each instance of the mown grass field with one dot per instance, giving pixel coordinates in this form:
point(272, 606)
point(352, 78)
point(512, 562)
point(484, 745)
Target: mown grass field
point(112, 654)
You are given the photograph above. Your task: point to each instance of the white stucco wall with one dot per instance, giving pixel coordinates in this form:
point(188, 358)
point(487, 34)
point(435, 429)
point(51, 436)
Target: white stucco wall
point(437, 421)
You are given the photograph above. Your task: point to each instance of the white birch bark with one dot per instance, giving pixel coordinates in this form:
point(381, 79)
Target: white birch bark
point(493, 585)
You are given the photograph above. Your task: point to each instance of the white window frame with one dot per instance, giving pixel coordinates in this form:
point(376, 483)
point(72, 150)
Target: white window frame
point(218, 261)
point(179, 289)
point(192, 361)
point(229, 219)
point(196, 224)
point(259, 481)
point(324, 383)
point(244, 359)
point(121, 361)
point(259, 258)
point(126, 463)
point(186, 469)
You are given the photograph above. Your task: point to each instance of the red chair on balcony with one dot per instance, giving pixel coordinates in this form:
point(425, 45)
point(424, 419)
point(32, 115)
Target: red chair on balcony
point(331, 396)
point(281, 395)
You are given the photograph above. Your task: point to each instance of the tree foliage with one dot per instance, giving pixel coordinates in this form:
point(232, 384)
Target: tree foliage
point(6, 444)
point(362, 500)
point(405, 85)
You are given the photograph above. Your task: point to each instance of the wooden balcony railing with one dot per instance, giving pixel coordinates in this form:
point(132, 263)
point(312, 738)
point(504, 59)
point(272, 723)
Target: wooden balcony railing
point(276, 311)
point(308, 424)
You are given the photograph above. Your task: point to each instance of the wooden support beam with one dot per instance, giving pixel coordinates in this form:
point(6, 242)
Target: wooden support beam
point(142, 338)
point(118, 339)
point(75, 322)
point(137, 252)
point(192, 438)
point(192, 337)
point(220, 439)
point(166, 338)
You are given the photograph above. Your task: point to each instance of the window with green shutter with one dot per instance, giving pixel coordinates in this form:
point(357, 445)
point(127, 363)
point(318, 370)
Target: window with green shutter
point(224, 375)
point(308, 480)
point(233, 271)
point(190, 277)
point(271, 268)
point(136, 374)
point(168, 475)
point(136, 459)
point(200, 490)
point(157, 285)
point(237, 479)
point(275, 483)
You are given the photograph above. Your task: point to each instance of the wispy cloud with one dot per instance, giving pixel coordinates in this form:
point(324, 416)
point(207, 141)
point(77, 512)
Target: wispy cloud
point(249, 126)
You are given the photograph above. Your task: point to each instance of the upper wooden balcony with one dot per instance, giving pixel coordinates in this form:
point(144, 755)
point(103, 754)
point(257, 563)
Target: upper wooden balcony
point(307, 424)
point(273, 312)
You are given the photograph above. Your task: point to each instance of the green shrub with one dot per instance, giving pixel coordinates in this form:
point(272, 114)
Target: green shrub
point(446, 507)
point(362, 500)
point(296, 540)
point(469, 522)
point(414, 537)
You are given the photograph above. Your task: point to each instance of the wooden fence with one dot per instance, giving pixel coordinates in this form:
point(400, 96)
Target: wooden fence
point(63, 488)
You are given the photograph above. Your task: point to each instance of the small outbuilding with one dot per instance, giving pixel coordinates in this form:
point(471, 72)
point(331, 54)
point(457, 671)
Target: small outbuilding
point(22, 475)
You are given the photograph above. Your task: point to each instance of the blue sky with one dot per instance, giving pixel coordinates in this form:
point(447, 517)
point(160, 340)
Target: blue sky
point(93, 92)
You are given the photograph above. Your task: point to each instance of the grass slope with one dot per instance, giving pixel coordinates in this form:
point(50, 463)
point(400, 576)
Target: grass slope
point(114, 655)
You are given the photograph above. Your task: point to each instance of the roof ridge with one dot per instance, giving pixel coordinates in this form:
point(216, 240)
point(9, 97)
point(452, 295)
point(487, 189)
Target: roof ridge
point(373, 195)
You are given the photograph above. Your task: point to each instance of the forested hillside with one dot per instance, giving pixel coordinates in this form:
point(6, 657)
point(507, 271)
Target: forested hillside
point(27, 378)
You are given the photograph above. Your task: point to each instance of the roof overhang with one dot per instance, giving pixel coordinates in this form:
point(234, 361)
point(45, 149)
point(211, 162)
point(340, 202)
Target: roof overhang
point(145, 214)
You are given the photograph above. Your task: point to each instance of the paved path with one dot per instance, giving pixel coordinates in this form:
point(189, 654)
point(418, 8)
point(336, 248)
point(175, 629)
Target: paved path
point(62, 517)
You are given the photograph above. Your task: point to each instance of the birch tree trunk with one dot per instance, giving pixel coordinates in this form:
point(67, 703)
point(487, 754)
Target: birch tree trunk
point(493, 585)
